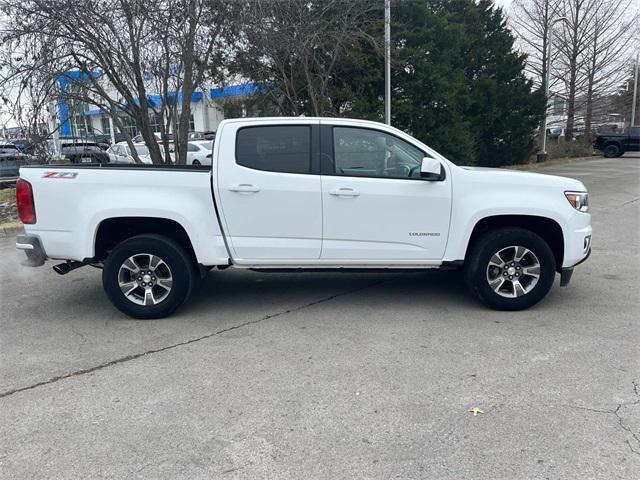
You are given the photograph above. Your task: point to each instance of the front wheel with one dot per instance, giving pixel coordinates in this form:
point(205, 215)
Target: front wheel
point(510, 269)
point(196, 162)
point(148, 276)
point(612, 150)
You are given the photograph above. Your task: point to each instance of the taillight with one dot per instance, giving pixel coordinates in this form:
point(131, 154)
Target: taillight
point(24, 200)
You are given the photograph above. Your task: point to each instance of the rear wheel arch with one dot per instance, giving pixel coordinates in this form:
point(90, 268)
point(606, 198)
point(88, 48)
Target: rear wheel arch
point(115, 230)
point(546, 228)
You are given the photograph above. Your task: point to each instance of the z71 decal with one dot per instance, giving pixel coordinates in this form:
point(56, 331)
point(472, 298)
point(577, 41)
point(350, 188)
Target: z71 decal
point(60, 175)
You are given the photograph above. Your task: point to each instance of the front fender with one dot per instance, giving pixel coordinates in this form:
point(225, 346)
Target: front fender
point(475, 199)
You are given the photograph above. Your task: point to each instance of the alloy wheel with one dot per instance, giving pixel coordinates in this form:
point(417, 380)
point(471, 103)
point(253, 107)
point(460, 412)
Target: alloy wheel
point(145, 279)
point(513, 271)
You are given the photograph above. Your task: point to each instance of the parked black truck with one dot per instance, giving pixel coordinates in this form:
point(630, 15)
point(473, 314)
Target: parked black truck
point(81, 151)
point(11, 159)
point(614, 145)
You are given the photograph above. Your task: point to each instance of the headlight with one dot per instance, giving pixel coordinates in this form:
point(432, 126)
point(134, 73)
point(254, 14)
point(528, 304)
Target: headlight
point(578, 200)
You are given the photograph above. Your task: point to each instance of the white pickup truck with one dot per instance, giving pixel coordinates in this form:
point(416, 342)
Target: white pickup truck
point(304, 194)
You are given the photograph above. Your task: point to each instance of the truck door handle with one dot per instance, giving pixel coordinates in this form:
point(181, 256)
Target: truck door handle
point(344, 192)
point(243, 188)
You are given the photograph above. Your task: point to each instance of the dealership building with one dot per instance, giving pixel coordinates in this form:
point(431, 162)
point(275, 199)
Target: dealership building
point(208, 108)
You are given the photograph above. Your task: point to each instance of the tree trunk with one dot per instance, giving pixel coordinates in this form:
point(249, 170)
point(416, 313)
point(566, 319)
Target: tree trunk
point(545, 62)
point(588, 117)
point(146, 131)
point(571, 100)
point(181, 137)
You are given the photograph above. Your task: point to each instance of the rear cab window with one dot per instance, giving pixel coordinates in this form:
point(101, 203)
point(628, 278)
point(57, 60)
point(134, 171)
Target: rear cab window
point(275, 148)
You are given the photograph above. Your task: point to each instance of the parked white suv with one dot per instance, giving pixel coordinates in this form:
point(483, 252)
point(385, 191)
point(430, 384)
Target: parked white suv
point(304, 194)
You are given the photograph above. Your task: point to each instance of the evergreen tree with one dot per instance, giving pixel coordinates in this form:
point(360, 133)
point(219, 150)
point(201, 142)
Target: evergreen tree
point(459, 85)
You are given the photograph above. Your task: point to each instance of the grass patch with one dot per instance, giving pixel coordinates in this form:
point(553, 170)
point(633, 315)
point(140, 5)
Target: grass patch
point(569, 150)
point(7, 195)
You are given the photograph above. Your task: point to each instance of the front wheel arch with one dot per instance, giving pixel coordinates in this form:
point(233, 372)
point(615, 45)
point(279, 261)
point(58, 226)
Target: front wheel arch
point(546, 228)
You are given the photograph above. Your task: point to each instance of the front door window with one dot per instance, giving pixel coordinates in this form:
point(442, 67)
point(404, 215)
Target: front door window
point(363, 152)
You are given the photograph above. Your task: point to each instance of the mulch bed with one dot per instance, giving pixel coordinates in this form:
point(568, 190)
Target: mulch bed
point(8, 210)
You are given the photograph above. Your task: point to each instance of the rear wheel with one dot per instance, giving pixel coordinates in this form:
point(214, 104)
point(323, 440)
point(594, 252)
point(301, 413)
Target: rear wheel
point(510, 269)
point(196, 162)
point(148, 276)
point(612, 150)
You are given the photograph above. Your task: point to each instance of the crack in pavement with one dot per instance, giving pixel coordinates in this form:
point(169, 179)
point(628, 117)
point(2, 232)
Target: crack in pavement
point(76, 332)
point(616, 412)
point(134, 356)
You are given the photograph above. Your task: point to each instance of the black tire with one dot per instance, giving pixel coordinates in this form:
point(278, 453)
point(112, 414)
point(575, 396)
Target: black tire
point(180, 271)
point(612, 150)
point(477, 272)
point(196, 162)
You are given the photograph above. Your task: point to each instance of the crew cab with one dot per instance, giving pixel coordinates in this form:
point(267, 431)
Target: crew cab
point(615, 145)
point(304, 194)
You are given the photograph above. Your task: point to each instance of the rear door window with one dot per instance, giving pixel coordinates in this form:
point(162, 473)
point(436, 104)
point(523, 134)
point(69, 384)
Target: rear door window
point(275, 148)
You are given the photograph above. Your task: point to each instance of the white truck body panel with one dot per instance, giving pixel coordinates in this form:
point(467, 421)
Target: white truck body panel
point(378, 218)
point(267, 216)
point(274, 220)
point(70, 210)
point(485, 192)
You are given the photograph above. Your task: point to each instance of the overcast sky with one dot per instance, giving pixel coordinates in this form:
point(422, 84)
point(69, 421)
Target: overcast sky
point(4, 117)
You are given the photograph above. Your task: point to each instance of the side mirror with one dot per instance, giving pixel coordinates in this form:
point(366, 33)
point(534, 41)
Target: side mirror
point(431, 169)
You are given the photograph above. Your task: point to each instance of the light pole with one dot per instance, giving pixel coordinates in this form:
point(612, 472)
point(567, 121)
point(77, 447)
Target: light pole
point(635, 93)
point(542, 156)
point(387, 62)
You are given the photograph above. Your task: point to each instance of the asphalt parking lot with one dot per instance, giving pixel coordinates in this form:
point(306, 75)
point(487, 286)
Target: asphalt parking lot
point(332, 376)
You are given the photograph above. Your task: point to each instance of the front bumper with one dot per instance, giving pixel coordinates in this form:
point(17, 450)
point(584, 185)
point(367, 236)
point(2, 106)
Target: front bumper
point(32, 247)
point(577, 239)
point(566, 273)
point(577, 246)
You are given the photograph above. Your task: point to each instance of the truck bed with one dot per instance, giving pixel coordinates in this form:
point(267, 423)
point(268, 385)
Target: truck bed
point(71, 201)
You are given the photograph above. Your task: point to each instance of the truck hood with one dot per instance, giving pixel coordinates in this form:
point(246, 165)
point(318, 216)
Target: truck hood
point(514, 177)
